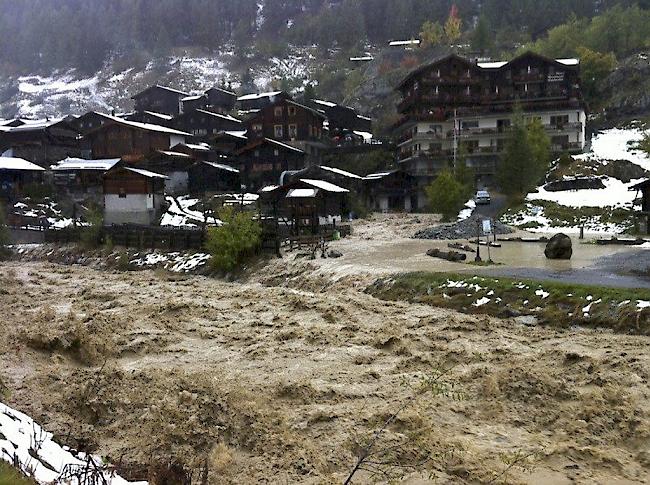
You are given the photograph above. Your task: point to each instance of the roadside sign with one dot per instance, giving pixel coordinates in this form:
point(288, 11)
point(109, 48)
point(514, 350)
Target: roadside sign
point(487, 226)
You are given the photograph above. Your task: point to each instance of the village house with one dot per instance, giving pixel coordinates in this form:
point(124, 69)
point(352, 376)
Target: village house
point(220, 100)
point(229, 142)
point(130, 140)
point(174, 165)
point(89, 121)
point(304, 206)
point(194, 102)
point(390, 191)
point(213, 178)
point(150, 117)
point(258, 101)
point(205, 124)
point(342, 119)
point(81, 179)
point(160, 99)
point(198, 151)
point(41, 142)
point(353, 182)
point(291, 123)
point(15, 174)
point(455, 101)
point(133, 196)
point(264, 160)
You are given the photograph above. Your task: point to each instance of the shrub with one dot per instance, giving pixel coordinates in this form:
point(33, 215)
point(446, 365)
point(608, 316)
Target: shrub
point(37, 192)
point(91, 236)
point(237, 239)
point(446, 195)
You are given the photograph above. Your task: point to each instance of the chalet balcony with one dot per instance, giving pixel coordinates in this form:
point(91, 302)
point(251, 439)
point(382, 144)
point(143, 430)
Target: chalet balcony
point(420, 136)
point(564, 147)
point(529, 77)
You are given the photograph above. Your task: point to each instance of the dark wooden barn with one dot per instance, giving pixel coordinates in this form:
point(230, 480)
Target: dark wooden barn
point(205, 124)
point(133, 196)
point(263, 161)
point(42, 142)
point(221, 100)
point(213, 178)
point(260, 100)
point(160, 99)
point(15, 174)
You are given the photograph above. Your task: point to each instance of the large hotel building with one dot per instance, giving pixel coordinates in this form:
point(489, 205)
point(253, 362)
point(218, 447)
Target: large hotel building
point(456, 101)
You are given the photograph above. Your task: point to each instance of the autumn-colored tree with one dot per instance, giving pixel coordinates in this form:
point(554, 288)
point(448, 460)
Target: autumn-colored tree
point(453, 25)
point(432, 34)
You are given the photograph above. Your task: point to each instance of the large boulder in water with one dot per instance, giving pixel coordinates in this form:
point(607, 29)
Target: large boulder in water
point(559, 247)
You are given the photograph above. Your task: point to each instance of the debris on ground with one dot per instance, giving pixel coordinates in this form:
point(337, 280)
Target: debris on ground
point(465, 229)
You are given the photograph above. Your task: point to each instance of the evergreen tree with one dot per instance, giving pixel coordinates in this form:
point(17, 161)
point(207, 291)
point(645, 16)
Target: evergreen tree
point(446, 195)
point(482, 37)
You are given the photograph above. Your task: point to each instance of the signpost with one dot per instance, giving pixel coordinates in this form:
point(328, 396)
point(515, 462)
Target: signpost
point(487, 230)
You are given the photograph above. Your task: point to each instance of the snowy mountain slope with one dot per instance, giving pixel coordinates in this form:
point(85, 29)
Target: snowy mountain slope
point(64, 92)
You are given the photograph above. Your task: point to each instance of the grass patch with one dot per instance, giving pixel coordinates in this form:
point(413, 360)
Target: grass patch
point(10, 476)
point(552, 303)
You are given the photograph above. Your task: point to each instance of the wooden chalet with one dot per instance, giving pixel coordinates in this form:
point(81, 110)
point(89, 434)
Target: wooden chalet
point(194, 102)
point(205, 124)
point(89, 121)
point(305, 206)
point(160, 99)
point(198, 151)
point(133, 196)
point(207, 177)
point(41, 142)
point(15, 174)
point(260, 100)
point(342, 118)
point(263, 161)
point(81, 179)
point(291, 123)
point(131, 140)
point(220, 100)
point(150, 117)
point(174, 165)
point(229, 142)
point(391, 191)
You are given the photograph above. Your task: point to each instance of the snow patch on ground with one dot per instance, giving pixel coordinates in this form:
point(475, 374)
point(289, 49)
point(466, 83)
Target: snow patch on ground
point(467, 211)
point(617, 144)
point(24, 442)
point(174, 262)
point(182, 213)
point(615, 194)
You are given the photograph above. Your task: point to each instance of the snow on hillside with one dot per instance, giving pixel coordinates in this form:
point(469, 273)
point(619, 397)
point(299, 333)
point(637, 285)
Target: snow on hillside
point(71, 92)
point(24, 442)
point(597, 210)
point(617, 144)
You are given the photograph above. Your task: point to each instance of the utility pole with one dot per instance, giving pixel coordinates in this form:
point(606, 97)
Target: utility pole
point(455, 138)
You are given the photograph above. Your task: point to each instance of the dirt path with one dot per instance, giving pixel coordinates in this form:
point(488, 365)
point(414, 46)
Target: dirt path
point(277, 384)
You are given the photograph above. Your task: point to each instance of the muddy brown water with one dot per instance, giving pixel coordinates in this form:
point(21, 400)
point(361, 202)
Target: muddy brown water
point(277, 379)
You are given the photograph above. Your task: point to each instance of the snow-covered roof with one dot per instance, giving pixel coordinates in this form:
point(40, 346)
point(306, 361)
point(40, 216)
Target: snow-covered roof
point(377, 176)
point(569, 62)
point(269, 188)
point(236, 134)
point(221, 166)
point(146, 173)
point(162, 116)
point(284, 145)
point(30, 125)
point(363, 58)
point(364, 134)
point(322, 102)
point(301, 193)
point(367, 118)
point(341, 172)
point(202, 147)
point(158, 86)
point(147, 126)
point(192, 98)
point(492, 65)
point(13, 163)
point(395, 43)
point(326, 186)
point(248, 97)
point(218, 115)
point(82, 164)
point(171, 153)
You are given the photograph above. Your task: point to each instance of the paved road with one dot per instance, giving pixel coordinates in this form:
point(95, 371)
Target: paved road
point(492, 210)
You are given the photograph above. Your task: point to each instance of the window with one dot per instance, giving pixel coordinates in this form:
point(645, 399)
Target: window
point(291, 110)
point(277, 111)
point(466, 125)
point(122, 194)
point(257, 128)
point(293, 131)
point(276, 152)
point(560, 121)
point(278, 131)
point(256, 153)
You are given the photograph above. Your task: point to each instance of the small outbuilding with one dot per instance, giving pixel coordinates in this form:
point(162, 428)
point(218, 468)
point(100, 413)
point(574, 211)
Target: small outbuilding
point(81, 179)
point(133, 196)
point(15, 174)
point(213, 178)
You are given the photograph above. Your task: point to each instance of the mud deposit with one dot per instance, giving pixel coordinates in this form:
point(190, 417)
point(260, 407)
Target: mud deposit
point(263, 382)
